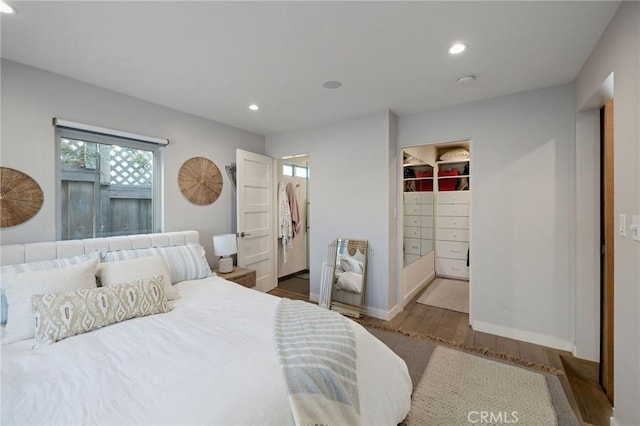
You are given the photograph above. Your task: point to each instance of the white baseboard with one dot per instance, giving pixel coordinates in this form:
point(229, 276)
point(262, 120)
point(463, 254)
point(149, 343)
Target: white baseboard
point(382, 314)
point(407, 298)
point(612, 419)
point(525, 336)
point(372, 312)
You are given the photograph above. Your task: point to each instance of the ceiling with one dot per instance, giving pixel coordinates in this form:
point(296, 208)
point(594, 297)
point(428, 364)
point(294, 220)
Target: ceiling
point(213, 59)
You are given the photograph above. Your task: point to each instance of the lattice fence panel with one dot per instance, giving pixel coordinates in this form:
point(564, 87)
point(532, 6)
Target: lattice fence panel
point(130, 166)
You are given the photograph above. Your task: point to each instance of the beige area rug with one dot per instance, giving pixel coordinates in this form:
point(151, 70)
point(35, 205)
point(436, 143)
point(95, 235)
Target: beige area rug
point(459, 389)
point(447, 294)
point(474, 378)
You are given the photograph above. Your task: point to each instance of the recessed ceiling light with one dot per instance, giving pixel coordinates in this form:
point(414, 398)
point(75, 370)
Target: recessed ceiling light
point(7, 8)
point(466, 79)
point(331, 84)
point(254, 107)
point(457, 48)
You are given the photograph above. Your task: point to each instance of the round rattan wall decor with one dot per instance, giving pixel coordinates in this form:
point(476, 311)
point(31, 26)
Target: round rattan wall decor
point(21, 197)
point(200, 181)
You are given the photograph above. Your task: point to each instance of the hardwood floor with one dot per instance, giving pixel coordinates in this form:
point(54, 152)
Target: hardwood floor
point(580, 382)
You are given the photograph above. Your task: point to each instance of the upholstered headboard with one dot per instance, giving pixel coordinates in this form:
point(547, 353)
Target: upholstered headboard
point(31, 252)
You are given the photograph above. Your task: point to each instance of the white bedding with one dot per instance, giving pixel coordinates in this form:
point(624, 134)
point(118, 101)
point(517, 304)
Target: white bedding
point(211, 360)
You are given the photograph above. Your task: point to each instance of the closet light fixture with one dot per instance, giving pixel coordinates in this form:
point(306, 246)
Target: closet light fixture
point(457, 48)
point(7, 8)
point(254, 107)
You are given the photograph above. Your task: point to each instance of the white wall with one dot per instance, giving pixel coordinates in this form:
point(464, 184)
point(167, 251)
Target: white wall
point(588, 236)
point(618, 51)
point(32, 97)
point(522, 189)
point(349, 189)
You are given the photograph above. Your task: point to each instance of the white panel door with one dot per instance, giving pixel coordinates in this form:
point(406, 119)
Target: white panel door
point(256, 217)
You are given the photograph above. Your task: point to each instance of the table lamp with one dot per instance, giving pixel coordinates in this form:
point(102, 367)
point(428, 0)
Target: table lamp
point(223, 247)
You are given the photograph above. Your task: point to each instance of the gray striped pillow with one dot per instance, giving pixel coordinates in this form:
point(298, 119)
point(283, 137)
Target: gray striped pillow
point(186, 262)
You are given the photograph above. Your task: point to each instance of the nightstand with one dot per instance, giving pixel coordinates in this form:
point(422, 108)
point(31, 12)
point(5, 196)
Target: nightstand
point(242, 276)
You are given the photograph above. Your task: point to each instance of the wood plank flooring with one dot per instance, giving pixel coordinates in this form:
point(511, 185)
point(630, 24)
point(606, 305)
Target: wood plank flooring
point(580, 382)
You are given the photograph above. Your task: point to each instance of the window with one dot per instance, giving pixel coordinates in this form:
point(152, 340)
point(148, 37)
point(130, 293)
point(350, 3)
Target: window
point(109, 185)
point(294, 170)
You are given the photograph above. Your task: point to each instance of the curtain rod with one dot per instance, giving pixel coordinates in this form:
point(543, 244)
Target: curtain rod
point(95, 129)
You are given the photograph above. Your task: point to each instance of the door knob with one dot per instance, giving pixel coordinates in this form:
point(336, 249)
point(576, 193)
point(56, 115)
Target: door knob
point(242, 234)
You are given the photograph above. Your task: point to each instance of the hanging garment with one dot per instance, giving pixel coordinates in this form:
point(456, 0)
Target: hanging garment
point(293, 208)
point(285, 227)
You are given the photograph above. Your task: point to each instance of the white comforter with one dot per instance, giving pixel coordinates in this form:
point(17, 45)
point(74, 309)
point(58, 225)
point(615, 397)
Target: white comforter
point(211, 360)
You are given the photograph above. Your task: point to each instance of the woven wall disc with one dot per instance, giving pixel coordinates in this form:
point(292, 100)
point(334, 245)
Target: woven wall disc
point(200, 181)
point(20, 197)
point(353, 246)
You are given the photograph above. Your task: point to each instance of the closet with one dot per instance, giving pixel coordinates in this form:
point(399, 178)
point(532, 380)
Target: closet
point(436, 213)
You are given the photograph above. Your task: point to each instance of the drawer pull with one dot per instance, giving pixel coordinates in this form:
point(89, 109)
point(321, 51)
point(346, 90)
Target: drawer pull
point(455, 269)
point(455, 251)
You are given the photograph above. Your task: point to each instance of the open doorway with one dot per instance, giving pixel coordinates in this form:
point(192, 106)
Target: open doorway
point(607, 231)
point(293, 208)
point(436, 225)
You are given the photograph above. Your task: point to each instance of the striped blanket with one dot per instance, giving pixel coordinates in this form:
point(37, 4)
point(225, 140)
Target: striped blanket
point(317, 353)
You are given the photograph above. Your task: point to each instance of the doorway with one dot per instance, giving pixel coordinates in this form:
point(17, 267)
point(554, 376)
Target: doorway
point(293, 249)
point(436, 184)
point(607, 229)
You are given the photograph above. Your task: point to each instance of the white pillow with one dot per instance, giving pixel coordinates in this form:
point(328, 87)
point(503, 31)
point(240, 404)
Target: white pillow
point(41, 265)
point(125, 271)
point(350, 264)
point(186, 262)
point(19, 287)
point(455, 154)
point(350, 281)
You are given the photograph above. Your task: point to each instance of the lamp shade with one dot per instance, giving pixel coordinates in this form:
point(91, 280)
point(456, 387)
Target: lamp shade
point(224, 245)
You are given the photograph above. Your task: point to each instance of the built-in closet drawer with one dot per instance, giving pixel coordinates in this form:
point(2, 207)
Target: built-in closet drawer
point(412, 246)
point(412, 232)
point(452, 249)
point(426, 197)
point(412, 209)
point(426, 209)
point(453, 197)
point(426, 222)
point(412, 197)
point(413, 221)
point(449, 234)
point(452, 209)
point(458, 222)
point(452, 267)
point(426, 246)
point(426, 233)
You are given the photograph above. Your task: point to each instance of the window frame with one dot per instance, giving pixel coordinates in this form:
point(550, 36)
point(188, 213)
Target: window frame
point(294, 167)
point(157, 192)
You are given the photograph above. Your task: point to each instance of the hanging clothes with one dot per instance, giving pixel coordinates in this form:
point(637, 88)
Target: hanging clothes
point(293, 208)
point(285, 226)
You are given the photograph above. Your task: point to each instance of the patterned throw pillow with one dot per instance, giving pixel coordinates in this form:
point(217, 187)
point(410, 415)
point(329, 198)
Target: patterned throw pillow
point(61, 315)
point(187, 262)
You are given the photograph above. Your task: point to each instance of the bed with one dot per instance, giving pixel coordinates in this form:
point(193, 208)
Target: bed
point(211, 359)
